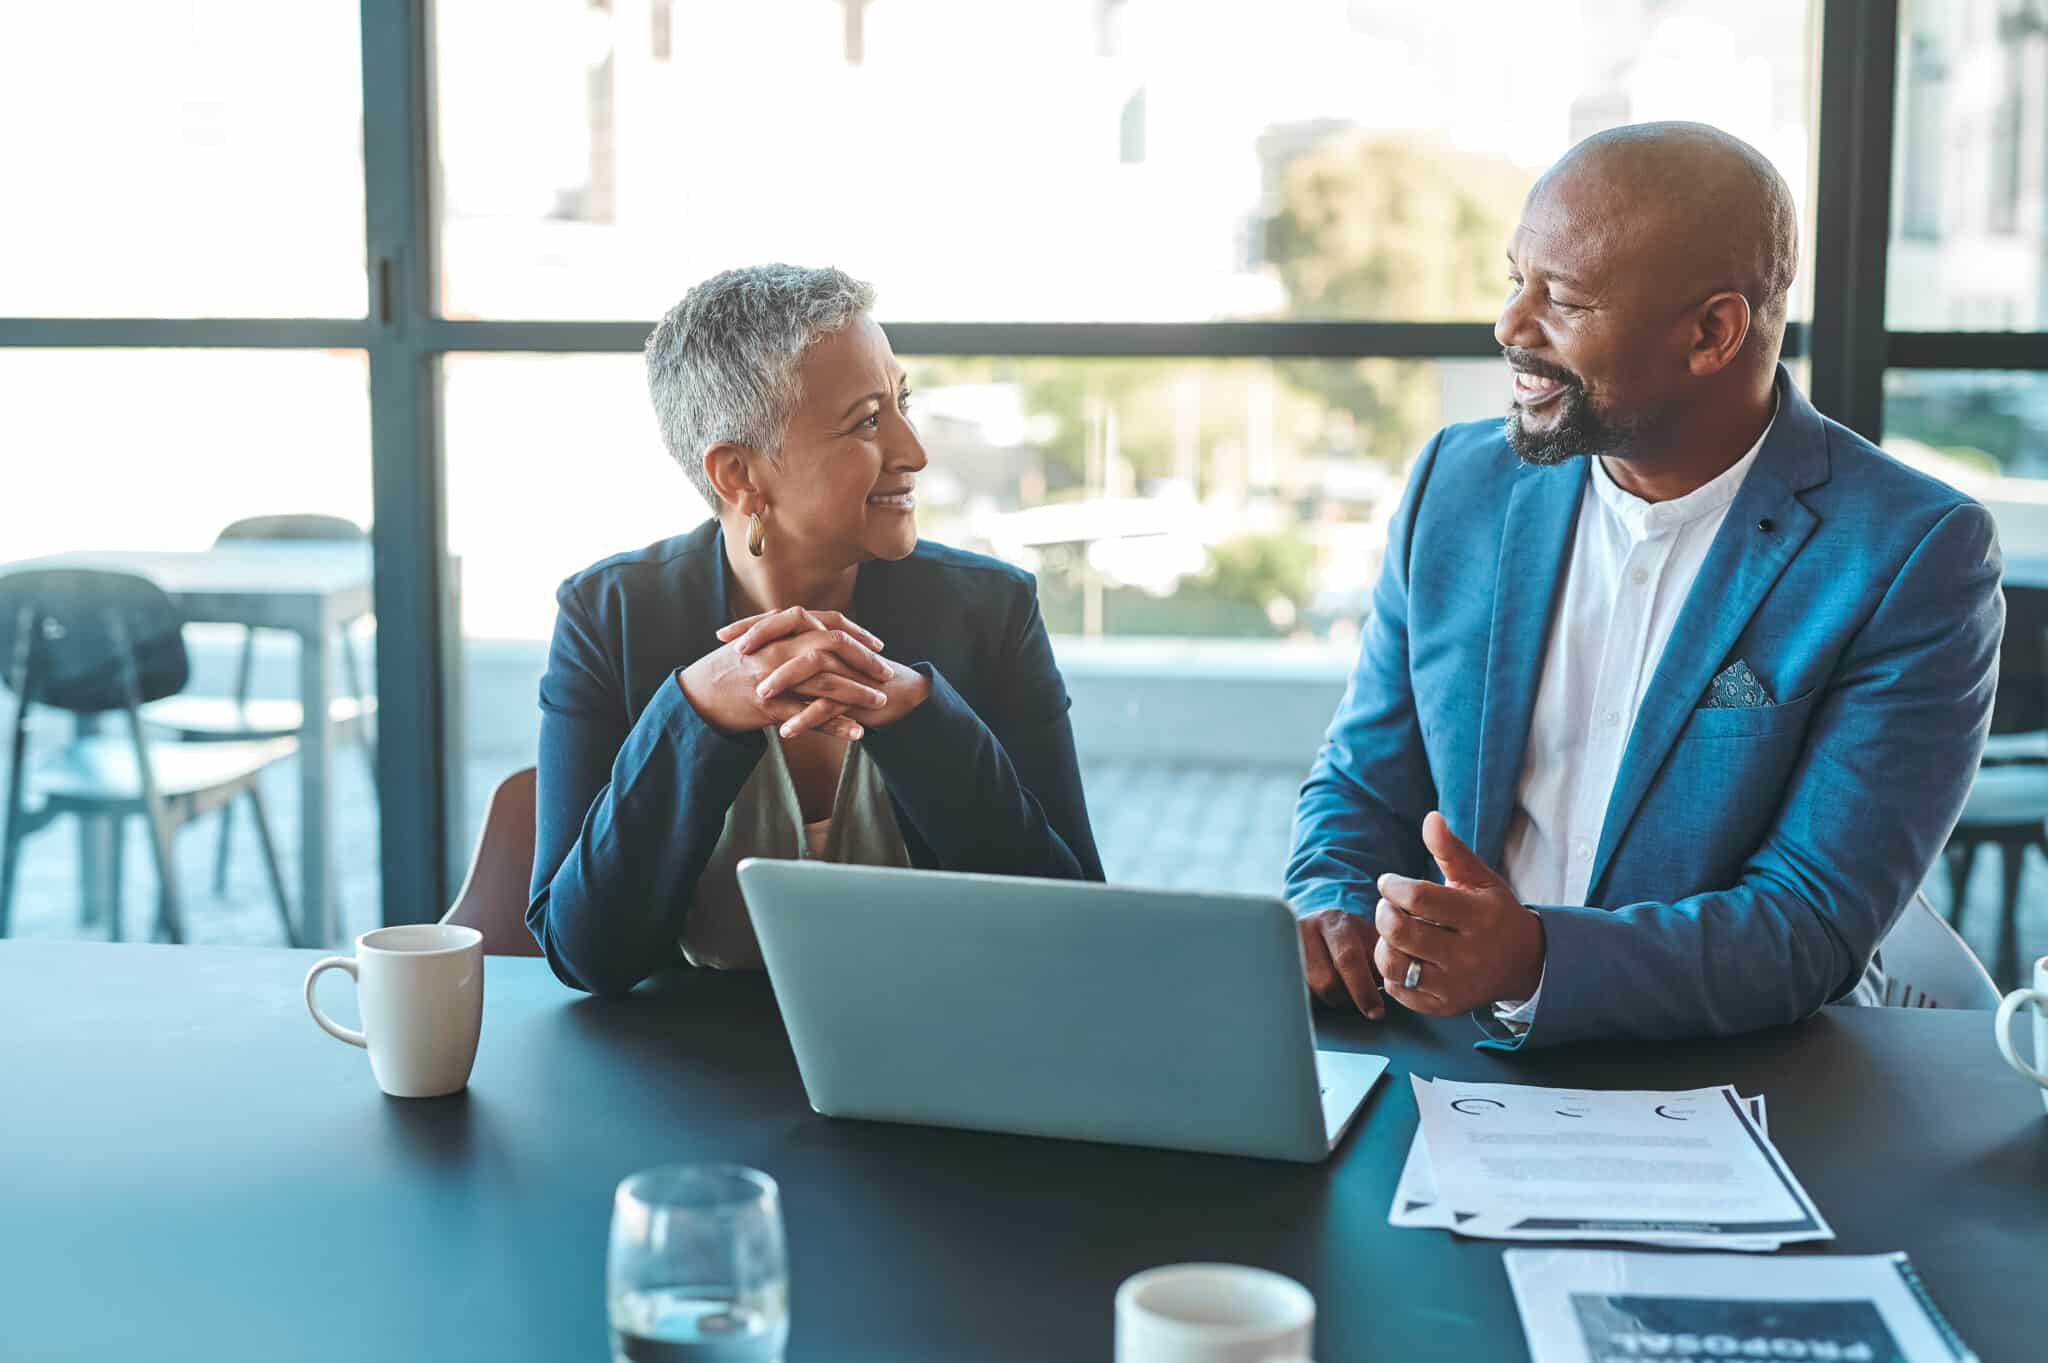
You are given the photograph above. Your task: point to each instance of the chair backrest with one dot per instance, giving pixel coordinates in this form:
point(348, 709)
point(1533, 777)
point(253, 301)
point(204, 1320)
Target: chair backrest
point(494, 894)
point(68, 635)
point(296, 526)
point(1928, 965)
point(2021, 705)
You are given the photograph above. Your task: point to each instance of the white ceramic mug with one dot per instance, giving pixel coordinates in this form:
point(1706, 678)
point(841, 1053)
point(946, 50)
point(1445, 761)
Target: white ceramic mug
point(421, 988)
point(2017, 999)
point(1213, 1313)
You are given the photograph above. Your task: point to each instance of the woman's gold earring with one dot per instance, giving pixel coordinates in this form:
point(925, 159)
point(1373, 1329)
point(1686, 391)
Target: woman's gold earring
point(757, 534)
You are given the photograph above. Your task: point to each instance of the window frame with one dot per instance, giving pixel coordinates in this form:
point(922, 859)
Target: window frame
point(419, 654)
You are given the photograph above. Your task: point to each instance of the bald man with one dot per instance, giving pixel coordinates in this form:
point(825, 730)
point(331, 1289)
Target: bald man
point(1673, 687)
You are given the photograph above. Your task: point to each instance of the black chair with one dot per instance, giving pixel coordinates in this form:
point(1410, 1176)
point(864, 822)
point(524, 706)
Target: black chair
point(92, 642)
point(239, 719)
point(2008, 804)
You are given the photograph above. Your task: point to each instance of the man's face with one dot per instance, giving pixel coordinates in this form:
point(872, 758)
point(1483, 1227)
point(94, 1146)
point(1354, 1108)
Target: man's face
point(1594, 345)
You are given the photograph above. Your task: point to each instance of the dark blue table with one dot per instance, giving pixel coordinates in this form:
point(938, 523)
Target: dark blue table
point(190, 1170)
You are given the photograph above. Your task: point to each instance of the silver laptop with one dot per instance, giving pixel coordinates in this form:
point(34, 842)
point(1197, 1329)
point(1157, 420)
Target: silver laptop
point(1052, 1008)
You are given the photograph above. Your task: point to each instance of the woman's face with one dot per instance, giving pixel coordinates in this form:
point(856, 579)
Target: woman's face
point(841, 491)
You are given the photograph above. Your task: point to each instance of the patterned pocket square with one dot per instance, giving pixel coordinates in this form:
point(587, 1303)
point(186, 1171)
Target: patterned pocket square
point(1735, 687)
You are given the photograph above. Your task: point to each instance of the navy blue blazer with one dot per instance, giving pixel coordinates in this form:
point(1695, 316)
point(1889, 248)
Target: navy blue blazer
point(634, 784)
point(1753, 854)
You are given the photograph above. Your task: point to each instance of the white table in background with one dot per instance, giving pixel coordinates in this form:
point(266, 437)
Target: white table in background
point(313, 589)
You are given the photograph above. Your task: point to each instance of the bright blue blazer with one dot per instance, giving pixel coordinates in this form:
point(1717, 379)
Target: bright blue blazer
point(634, 785)
point(1751, 858)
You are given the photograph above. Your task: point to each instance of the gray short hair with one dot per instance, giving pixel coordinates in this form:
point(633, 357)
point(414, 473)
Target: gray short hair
point(722, 366)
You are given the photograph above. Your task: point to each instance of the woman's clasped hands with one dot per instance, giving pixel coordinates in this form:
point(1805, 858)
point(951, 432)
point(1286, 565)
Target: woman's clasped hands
point(800, 670)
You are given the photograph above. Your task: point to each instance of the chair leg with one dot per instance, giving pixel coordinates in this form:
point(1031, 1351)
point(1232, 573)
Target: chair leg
point(156, 812)
point(2014, 864)
point(1962, 860)
point(170, 921)
point(21, 679)
point(10, 857)
point(220, 857)
point(11, 838)
point(114, 887)
point(269, 849)
point(96, 834)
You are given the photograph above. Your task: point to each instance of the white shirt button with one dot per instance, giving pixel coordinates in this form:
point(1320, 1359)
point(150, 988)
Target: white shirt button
point(1582, 851)
point(1639, 577)
point(1614, 716)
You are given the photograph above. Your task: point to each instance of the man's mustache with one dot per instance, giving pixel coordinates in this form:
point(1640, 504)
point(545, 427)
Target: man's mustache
point(1521, 359)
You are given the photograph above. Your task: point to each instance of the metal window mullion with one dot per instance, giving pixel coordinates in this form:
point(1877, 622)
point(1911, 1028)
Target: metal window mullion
point(1967, 350)
point(235, 333)
point(1056, 340)
point(418, 646)
point(1112, 340)
point(1852, 215)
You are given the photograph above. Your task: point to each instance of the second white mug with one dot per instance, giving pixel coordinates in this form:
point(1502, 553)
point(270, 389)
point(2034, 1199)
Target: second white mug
point(1213, 1313)
point(421, 987)
point(2016, 1000)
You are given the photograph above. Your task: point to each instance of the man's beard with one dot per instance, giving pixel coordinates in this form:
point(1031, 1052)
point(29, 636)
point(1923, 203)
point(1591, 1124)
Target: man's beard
point(1577, 429)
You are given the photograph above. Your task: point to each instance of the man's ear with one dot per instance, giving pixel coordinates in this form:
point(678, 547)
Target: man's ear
point(1720, 326)
point(730, 469)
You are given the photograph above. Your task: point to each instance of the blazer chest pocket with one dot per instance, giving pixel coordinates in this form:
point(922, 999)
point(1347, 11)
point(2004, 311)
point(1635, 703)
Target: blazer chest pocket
point(1750, 721)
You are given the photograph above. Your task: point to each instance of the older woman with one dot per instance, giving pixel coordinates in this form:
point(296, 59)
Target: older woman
point(797, 677)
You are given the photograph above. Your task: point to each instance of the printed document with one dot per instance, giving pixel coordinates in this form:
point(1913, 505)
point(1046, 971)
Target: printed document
point(1686, 1168)
point(1418, 1203)
point(1594, 1306)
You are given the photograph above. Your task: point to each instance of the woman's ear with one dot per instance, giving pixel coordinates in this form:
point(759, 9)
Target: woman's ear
point(730, 468)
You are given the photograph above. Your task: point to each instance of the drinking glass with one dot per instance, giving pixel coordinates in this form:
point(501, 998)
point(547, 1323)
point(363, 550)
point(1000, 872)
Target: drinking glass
point(697, 1269)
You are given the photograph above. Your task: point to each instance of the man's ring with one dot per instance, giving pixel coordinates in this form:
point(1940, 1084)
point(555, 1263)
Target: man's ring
point(1414, 975)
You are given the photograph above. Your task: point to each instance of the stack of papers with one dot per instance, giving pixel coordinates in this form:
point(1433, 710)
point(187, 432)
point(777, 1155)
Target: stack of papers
point(1693, 1168)
point(1590, 1306)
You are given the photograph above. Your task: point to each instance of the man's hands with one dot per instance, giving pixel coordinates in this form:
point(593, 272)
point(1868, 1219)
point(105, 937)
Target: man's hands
point(1476, 942)
point(800, 669)
point(1337, 948)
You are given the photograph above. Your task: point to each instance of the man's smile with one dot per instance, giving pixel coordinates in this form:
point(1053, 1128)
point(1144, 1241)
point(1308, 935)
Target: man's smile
point(1533, 390)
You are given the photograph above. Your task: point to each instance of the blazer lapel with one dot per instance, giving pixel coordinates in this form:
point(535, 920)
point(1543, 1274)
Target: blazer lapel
point(1743, 564)
point(1535, 551)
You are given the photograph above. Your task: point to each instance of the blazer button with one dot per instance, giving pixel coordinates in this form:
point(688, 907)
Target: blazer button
point(1767, 525)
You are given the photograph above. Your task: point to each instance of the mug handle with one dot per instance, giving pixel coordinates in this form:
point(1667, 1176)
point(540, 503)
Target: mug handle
point(335, 1029)
point(2006, 1009)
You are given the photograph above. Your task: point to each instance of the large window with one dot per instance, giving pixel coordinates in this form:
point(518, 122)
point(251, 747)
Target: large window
point(1182, 289)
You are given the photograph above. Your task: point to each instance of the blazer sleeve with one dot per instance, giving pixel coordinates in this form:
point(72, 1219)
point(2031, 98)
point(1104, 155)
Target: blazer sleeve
point(1889, 760)
point(1360, 811)
point(628, 812)
point(998, 792)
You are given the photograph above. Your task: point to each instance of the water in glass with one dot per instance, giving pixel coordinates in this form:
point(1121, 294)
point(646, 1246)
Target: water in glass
point(697, 1270)
point(698, 1325)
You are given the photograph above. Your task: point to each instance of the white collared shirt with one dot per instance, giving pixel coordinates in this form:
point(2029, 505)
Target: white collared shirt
point(1632, 565)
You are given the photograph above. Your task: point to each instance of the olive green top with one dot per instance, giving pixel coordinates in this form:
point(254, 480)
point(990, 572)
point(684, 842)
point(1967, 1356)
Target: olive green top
point(766, 820)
